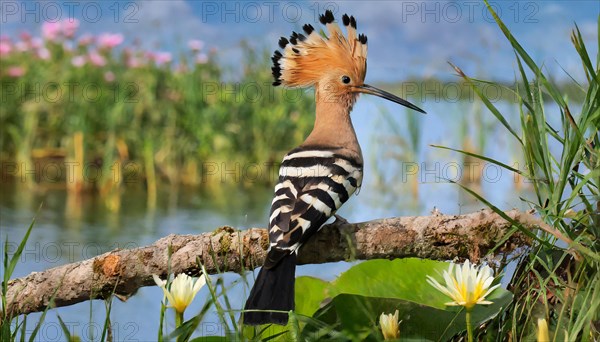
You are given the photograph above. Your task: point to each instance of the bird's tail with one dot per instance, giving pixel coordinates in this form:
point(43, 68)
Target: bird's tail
point(273, 290)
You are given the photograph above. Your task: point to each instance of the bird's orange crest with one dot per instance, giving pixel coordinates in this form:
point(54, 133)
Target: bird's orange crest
point(305, 59)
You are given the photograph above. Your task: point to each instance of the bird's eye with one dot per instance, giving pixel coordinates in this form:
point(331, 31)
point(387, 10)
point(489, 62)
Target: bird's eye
point(345, 79)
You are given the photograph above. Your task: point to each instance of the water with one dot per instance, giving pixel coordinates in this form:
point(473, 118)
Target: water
point(68, 231)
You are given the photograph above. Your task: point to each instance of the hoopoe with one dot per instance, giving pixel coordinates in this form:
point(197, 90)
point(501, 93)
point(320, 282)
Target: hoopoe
point(318, 176)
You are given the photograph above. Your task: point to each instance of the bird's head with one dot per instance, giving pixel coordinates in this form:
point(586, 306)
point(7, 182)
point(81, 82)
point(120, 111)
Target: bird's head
point(336, 65)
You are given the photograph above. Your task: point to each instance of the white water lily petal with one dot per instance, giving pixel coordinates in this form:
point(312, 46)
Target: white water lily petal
point(159, 282)
point(199, 283)
point(390, 327)
point(490, 290)
point(182, 292)
point(466, 284)
point(452, 304)
point(439, 286)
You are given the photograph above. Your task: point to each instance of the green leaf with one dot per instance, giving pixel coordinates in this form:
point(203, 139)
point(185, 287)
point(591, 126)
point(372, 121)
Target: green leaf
point(399, 278)
point(374, 287)
point(310, 292)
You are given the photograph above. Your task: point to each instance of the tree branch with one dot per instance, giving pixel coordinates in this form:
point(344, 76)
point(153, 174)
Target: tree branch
point(123, 272)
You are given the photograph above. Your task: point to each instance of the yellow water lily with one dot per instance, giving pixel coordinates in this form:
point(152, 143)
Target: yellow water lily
point(183, 290)
point(390, 327)
point(466, 284)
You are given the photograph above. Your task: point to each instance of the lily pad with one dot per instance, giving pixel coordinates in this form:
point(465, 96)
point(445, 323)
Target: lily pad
point(363, 293)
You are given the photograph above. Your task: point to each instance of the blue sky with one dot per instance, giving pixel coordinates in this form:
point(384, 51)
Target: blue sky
point(406, 38)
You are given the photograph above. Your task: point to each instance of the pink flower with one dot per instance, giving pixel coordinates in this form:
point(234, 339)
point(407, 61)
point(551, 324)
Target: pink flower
point(51, 30)
point(201, 58)
point(109, 40)
point(195, 45)
point(16, 71)
point(86, 40)
point(162, 57)
point(25, 36)
point(36, 43)
point(5, 48)
point(109, 76)
point(78, 61)
point(43, 53)
point(97, 59)
point(133, 62)
point(69, 27)
point(22, 46)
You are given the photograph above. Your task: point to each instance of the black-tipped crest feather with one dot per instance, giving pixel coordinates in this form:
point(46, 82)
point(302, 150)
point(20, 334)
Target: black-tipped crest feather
point(346, 20)
point(308, 28)
point(311, 56)
point(283, 42)
point(326, 18)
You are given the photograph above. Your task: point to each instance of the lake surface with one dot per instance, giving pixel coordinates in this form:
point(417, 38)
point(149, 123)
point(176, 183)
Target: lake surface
point(399, 180)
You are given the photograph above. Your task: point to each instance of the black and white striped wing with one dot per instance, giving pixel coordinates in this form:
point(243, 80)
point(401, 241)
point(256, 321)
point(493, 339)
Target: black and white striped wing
point(313, 185)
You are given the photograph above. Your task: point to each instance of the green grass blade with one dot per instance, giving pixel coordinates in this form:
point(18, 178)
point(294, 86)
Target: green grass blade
point(528, 60)
point(213, 294)
point(10, 268)
point(479, 156)
point(43, 316)
point(65, 329)
point(579, 44)
point(107, 328)
point(525, 84)
point(487, 103)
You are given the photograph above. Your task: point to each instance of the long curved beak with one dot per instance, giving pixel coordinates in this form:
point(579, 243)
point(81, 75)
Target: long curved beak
point(367, 89)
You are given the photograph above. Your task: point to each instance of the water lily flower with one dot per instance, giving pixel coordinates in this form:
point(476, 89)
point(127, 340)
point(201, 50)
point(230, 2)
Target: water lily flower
point(468, 286)
point(390, 326)
point(542, 330)
point(110, 40)
point(182, 292)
